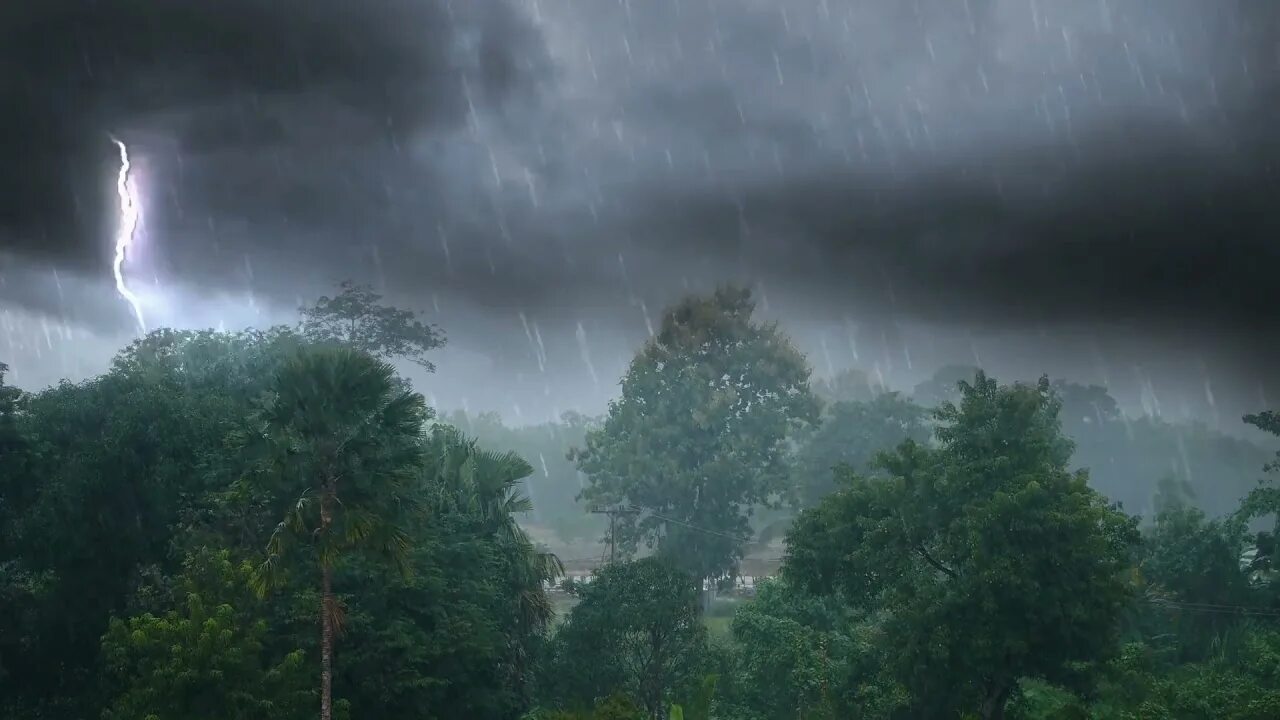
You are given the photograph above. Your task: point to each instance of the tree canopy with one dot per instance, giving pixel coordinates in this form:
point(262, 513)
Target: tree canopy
point(356, 318)
point(699, 435)
point(635, 628)
point(994, 561)
point(851, 434)
point(945, 563)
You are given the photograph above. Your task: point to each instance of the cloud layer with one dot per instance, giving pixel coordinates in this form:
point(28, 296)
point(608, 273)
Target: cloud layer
point(1006, 164)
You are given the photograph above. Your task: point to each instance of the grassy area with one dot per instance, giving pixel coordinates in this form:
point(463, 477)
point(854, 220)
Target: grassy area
point(562, 604)
point(717, 620)
point(719, 616)
point(717, 626)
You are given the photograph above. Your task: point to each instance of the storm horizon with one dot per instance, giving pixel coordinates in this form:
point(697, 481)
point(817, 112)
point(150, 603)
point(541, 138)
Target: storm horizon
point(1079, 189)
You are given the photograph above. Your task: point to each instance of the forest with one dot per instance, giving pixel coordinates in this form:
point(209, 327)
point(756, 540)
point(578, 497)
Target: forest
point(273, 523)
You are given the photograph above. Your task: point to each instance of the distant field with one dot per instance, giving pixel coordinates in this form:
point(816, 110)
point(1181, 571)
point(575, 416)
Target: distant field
point(717, 626)
point(562, 603)
point(717, 621)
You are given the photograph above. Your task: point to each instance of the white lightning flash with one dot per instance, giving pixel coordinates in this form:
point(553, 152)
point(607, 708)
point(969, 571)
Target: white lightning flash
point(129, 214)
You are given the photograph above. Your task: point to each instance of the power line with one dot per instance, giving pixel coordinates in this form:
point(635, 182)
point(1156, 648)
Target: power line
point(613, 513)
point(691, 526)
point(1215, 609)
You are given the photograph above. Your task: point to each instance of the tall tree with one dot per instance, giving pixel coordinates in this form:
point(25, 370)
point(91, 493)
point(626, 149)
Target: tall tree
point(1264, 502)
point(1193, 561)
point(9, 397)
point(357, 319)
point(484, 485)
point(699, 435)
point(993, 561)
point(340, 438)
point(848, 385)
point(852, 433)
point(943, 385)
point(11, 475)
point(636, 630)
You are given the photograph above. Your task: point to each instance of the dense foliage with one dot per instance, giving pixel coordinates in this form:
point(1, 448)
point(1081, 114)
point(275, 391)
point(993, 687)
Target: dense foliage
point(851, 434)
point(994, 562)
point(141, 505)
point(699, 436)
point(556, 481)
point(271, 524)
point(636, 628)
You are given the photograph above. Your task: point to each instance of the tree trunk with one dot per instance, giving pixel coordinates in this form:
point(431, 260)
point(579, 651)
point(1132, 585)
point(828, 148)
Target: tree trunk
point(997, 698)
point(326, 646)
point(327, 607)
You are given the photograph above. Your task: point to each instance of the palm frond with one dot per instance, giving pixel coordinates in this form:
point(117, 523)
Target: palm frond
point(296, 518)
point(333, 607)
point(266, 577)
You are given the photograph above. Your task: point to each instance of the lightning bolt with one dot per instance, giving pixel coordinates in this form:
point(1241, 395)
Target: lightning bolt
point(129, 213)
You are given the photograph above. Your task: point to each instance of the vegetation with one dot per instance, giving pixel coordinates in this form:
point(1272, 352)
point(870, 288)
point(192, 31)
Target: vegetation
point(699, 436)
point(989, 559)
point(357, 319)
point(556, 482)
point(851, 434)
point(338, 437)
point(636, 629)
point(271, 524)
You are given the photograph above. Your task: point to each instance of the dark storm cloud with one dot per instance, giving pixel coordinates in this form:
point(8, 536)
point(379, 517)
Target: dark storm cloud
point(254, 118)
point(1145, 227)
point(974, 162)
point(1013, 163)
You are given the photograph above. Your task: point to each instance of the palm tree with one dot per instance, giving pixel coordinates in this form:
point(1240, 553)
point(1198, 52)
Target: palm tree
point(347, 444)
point(484, 485)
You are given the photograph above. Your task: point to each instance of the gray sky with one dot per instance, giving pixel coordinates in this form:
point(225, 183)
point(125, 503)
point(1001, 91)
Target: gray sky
point(1078, 187)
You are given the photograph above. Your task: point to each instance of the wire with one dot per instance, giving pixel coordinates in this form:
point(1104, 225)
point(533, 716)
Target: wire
point(708, 531)
point(1213, 608)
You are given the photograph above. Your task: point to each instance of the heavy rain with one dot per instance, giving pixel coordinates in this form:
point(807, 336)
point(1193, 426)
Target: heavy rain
point(572, 359)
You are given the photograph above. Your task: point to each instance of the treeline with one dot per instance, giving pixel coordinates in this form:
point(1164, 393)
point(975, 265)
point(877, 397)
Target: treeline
point(189, 534)
point(270, 523)
point(1128, 458)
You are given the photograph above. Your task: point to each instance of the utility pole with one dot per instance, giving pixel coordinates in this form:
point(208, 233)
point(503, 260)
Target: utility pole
point(613, 513)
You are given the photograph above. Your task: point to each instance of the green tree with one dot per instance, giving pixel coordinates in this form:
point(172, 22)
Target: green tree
point(207, 660)
point(113, 468)
point(1263, 502)
point(994, 561)
point(636, 629)
point(797, 655)
point(555, 482)
point(851, 434)
point(340, 438)
point(699, 436)
point(9, 400)
point(1267, 421)
point(1173, 494)
point(356, 318)
point(1130, 458)
point(848, 385)
point(12, 474)
point(485, 486)
point(1241, 681)
point(1189, 560)
point(454, 637)
point(125, 474)
point(943, 386)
